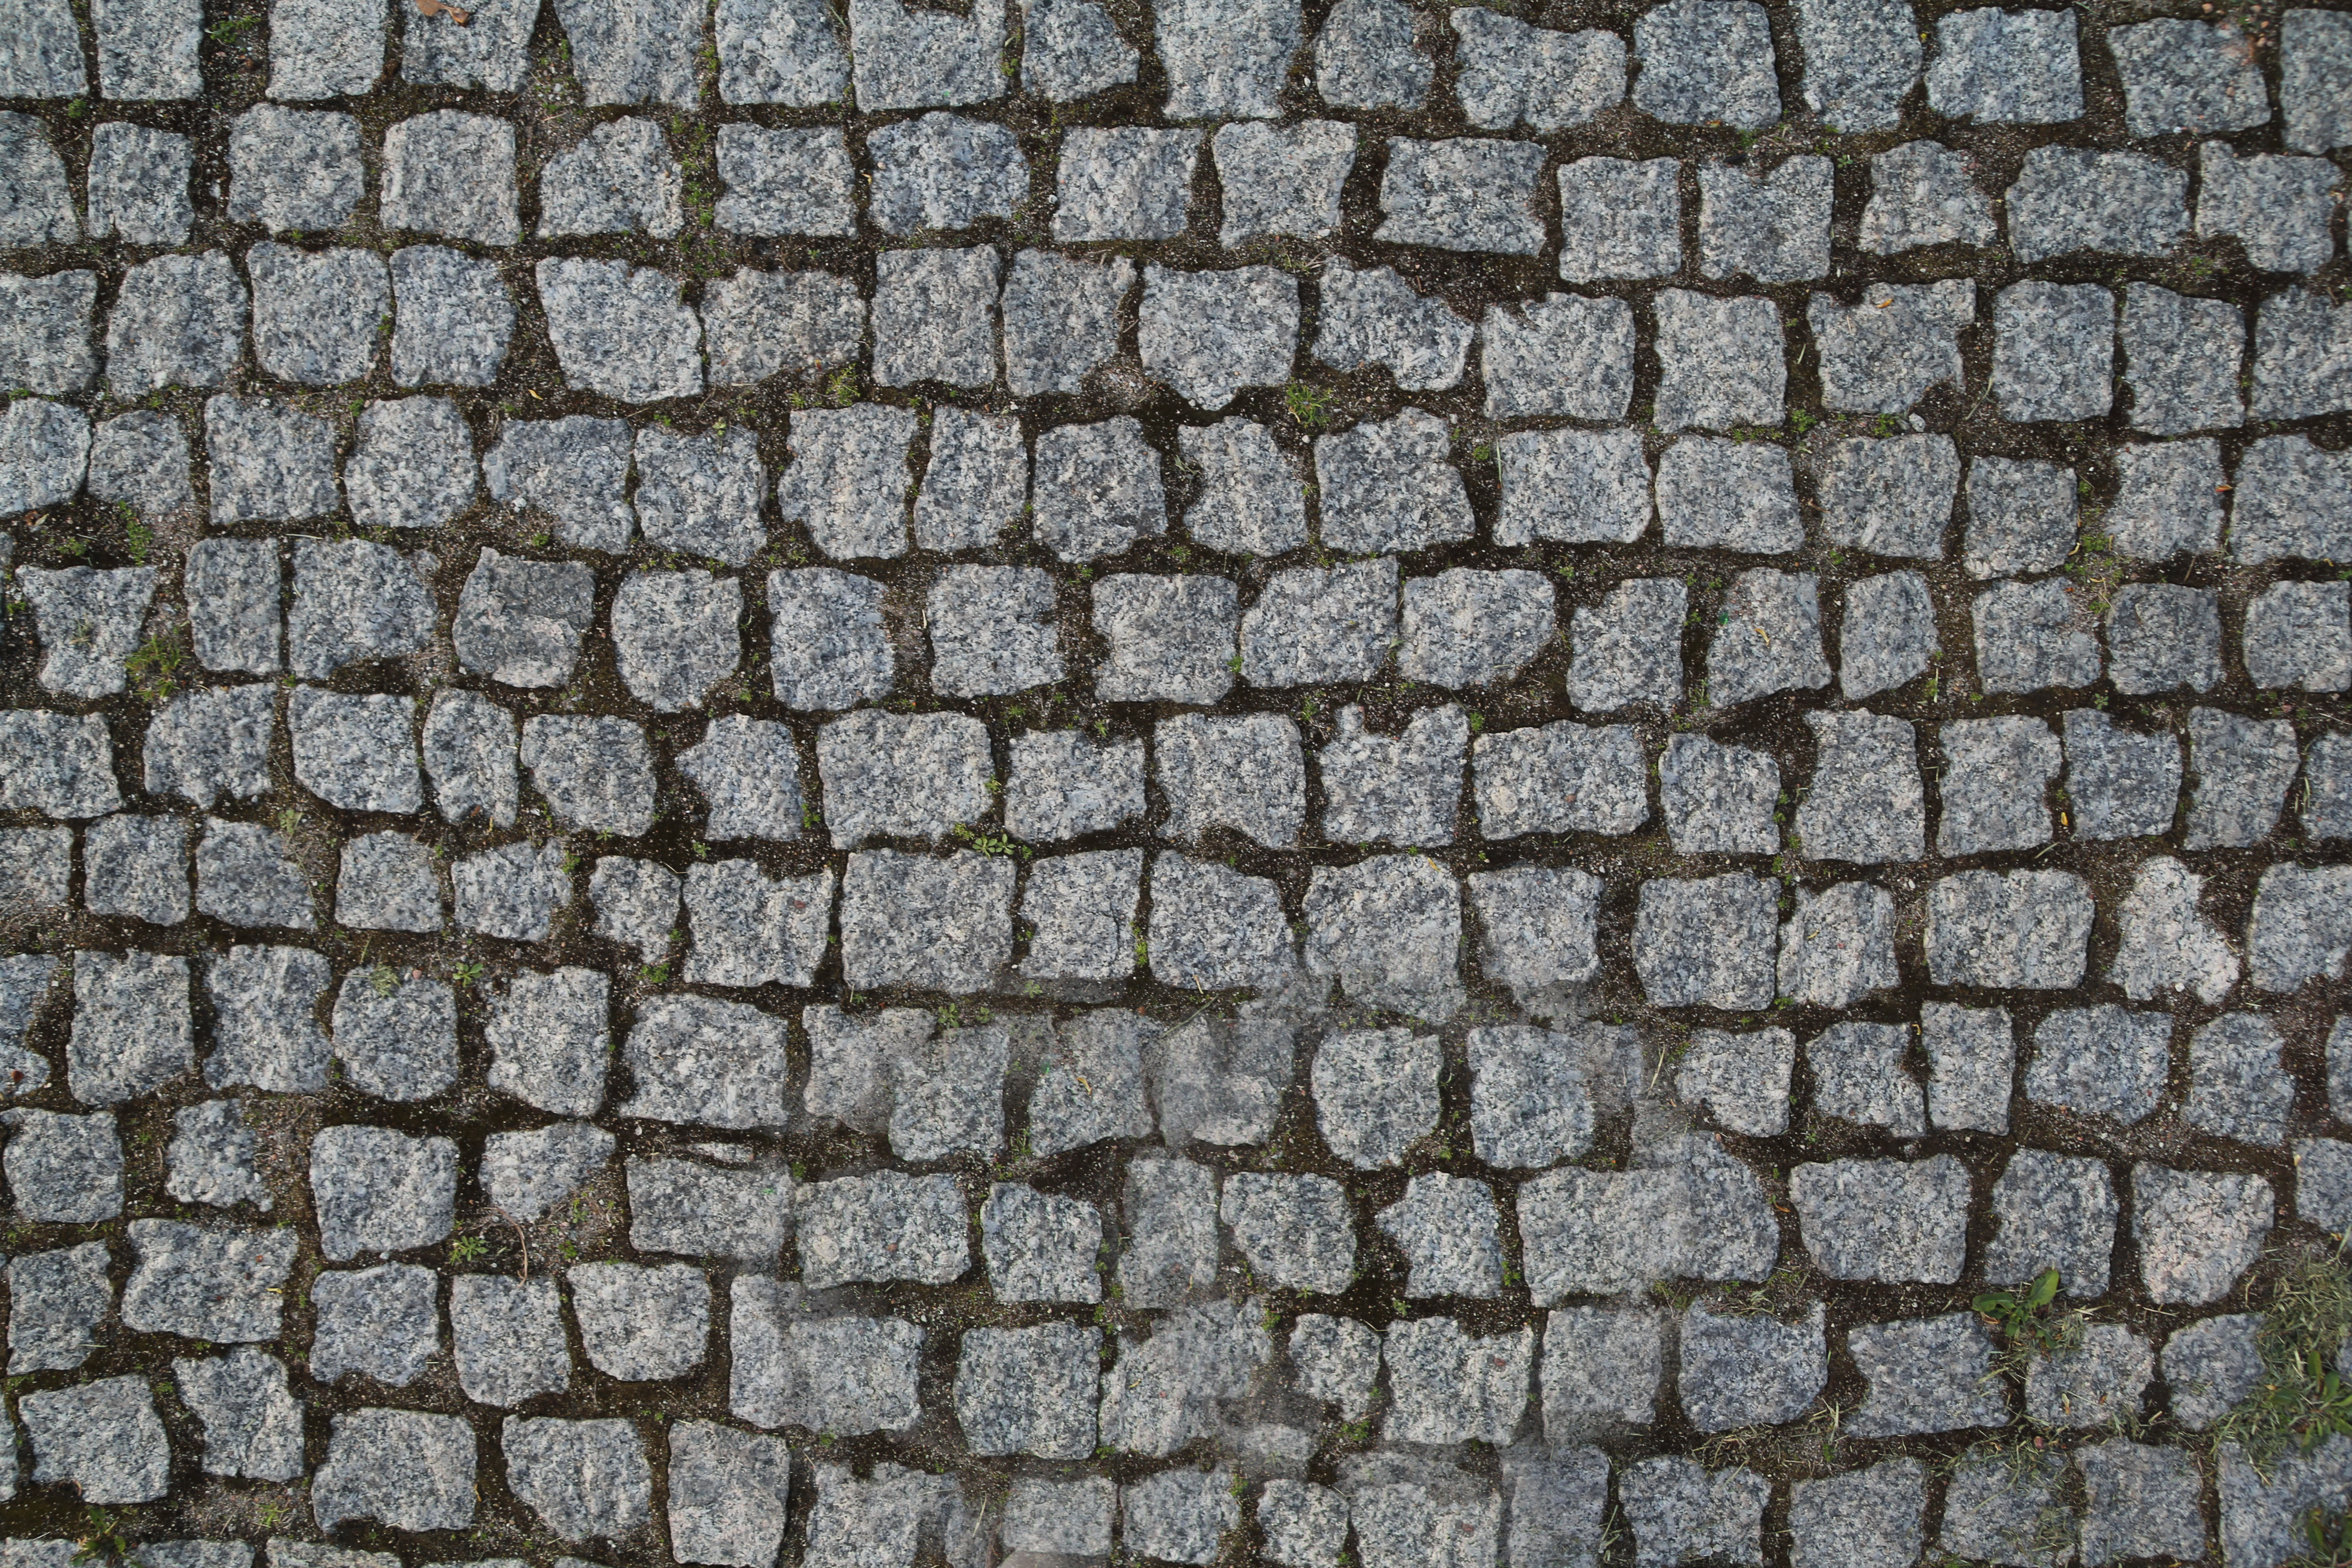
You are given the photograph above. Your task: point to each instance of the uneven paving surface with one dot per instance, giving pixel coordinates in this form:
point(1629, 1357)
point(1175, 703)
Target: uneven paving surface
point(1208, 782)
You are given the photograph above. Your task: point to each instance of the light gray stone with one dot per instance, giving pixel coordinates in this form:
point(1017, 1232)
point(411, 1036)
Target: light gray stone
point(1466, 628)
point(2054, 1212)
point(620, 178)
point(55, 1302)
point(1281, 178)
point(1705, 61)
point(101, 1437)
point(1689, 1209)
point(594, 774)
point(46, 345)
point(1562, 354)
point(1447, 1227)
point(1530, 1101)
point(1028, 1390)
point(621, 331)
point(758, 324)
point(380, 1322)
point(1513, 74)
point(451, 319)
point(1705, 943)
point(1081, 913)
point(939, 923)
point(1070, 50)
point(673, 633)
point(1888, 634)
point(1768, 638)
point(2071, 199)
point(1838, 946)
point(907, 57)
point(1862, 59)
point(934, 318)
point(1227, 60)
point(2300, 348)
point(1064, 785)
point(1375, 1093)
point(2097, 1382)
point(2101, 1061)
point(1721, 360)
point(944, 172)
point(294, 170)
point(1922, 193)
point(1449, 1385)
point(1893, 346)
point(786, 182)
point(2020, 67)
point(847, 1375)
point(993, 631)
point(2289, 501)
point(632, 54)
point(1315, 626)
point(412, 464)
point(642, 1325)
point(2300, 634)
point(909, 777)
point(356, 753)
point(489, 51)
point(1884, 1219)
point(270, 463)
point(1364, 57)
point(38, 208)
point(1925, 1375)
point(44, 450)
point(574, 470)
point(1062, 318)
point(1859, 1077)
point(1467, 193)
point(583, 1479)
point(1245, 773)
point(1405, 789)
point(453, 174)
point(2244, 768)
point(325, 49)
point(380, 1191)
point(2187, 76)
point(1295, 1232)
point(2197, 1230)
point(637, 904)
point(2180, 360)
point(1618, 218)
point(1389, 931)
point(1097, 489)
point(1719, 494)
point(727, 1495)
point(2054, 351)
point(1559, 778)
point(529, 1174)
point(1775, 230)
point(2030, 637)
point(1679, 1510)
point(1743, 1370)
point(708, 1211)
point(210, 1157)
point(396, 1043)
point(508, 1338)
point(1214, 928)
point(2279, 208)
point(140, 460)
point(63, 1169)
point(136, 867)
point(1374, 316)
point(2210, 1366)
point(64, 764)
point(2027, 929)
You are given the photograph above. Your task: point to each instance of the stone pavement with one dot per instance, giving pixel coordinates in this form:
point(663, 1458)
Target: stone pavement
point(1216, 782)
